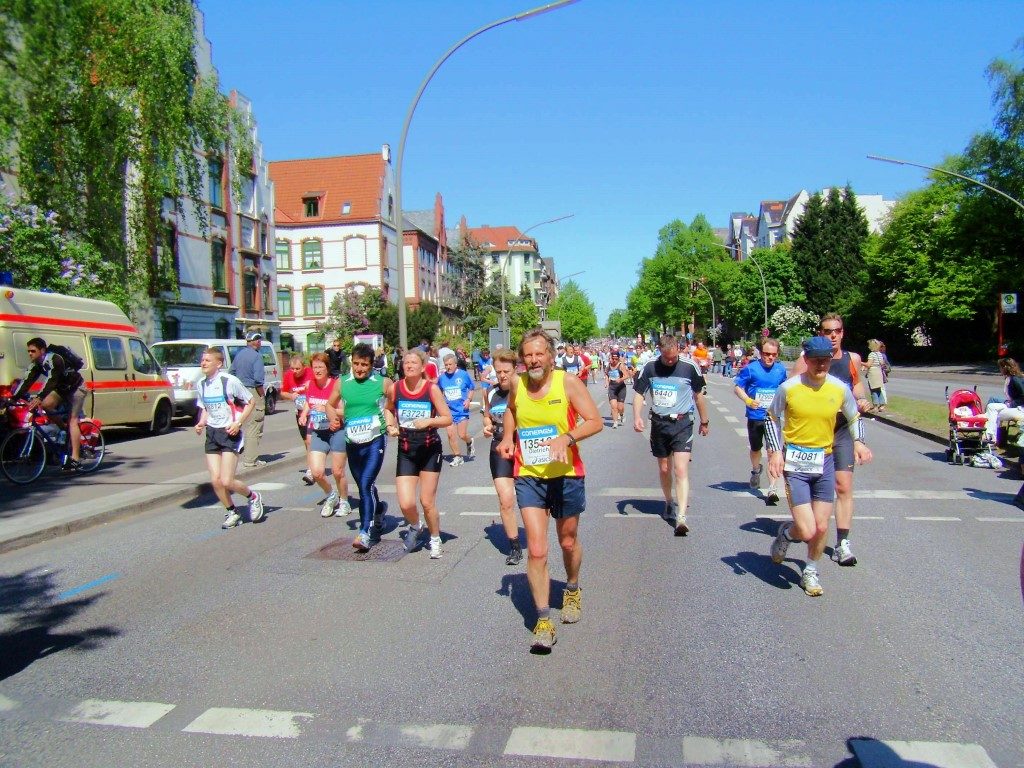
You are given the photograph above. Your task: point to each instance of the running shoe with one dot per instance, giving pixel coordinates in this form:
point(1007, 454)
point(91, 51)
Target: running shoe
point(810, 583)
point(307, 477)
point(755, 477)
point(843, 554)
point(330, 503)
point(515, 555)
point(781, 543)
point(361, 543)
point(615, 424)
point(412, 538)
point(255, 507)
point(681, 527)
point(543, 636)
point(231, 519)
point(457, 461)
point(572, 604)
point(70, 465)
point(435, 547)
point(772, 498)
point(344, 508)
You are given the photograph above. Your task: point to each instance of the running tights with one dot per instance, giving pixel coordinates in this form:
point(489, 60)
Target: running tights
point(365, 460)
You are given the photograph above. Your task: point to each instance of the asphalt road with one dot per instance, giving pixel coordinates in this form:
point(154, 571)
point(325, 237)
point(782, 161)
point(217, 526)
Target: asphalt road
point(163, 640)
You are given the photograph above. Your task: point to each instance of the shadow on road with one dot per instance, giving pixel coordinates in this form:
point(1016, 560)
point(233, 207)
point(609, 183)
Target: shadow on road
point(729, 486)
point(762, 525)
point(761, 566)
point(495, 533)
point(870, 751)
point(516, 586)
point(642, 506)
point(33, 612)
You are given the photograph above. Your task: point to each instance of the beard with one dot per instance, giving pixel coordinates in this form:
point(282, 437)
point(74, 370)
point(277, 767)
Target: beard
point(536, 374)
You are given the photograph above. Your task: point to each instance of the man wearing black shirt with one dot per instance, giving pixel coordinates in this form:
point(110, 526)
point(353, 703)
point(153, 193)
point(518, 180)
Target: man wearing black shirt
point(335, 359)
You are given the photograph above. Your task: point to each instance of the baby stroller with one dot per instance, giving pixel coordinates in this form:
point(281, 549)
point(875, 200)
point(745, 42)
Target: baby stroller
point(966, 426)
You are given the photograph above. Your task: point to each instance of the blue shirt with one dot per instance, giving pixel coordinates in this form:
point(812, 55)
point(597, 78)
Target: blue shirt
point(247, 365)
point(456, 388)
point(760, 384)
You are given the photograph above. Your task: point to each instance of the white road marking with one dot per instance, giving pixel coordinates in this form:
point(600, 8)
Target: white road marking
point(748, 753)
point(127, 714)
point(874, 753)
point(741, 431)
point(269, 486)
point(248, 722)
point(1000, 519)
point(653, 516)
point(477, 514)
point(731, 419)
point(573, 743)
point(935, 519)
point(439, 736)
point(475, 490)
point(6, 705)
point(777, 517)
point(641, 493)
point(894, 495)
point(720, 409)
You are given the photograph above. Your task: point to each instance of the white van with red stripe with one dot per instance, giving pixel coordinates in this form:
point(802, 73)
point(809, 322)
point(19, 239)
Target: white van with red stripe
point(126, 385)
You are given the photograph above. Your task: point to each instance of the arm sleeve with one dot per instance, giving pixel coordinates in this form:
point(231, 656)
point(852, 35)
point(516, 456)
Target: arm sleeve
point(773, 422)
point(697, 382)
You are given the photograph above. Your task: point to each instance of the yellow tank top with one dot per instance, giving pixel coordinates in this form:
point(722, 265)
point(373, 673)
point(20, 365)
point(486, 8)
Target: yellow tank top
point(539, 420)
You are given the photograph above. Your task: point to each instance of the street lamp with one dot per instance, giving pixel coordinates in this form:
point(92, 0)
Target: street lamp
point(403, 340)
point(1013, 200)
point(764, 285)
point(508, 255)
point(700, 282)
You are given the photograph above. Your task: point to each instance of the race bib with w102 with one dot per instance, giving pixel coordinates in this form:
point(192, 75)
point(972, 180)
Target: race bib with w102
point(362, 429)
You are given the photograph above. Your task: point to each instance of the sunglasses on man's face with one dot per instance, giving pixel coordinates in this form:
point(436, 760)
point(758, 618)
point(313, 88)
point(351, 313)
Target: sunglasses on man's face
point(830, 331)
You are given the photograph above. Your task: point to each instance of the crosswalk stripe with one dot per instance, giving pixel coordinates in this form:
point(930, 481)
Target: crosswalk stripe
point(720, 409)
point(934, 519)
point(438, 736)
point(126, 714)
point(1000, 519)
point(741, 431)
point(732, 419)
point(698, 750)
point(640, 515)
point(876, 753)
point(572, 743)
point(229, 721)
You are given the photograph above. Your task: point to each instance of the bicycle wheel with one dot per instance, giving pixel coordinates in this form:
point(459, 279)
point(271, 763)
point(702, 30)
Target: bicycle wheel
point(22, 456)
point(93, 449)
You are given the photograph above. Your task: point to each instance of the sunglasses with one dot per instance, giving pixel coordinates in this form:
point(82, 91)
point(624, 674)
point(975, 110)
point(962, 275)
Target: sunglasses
point(830, 331)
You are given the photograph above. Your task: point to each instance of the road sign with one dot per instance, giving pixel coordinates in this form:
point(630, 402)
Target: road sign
point(1008, 303)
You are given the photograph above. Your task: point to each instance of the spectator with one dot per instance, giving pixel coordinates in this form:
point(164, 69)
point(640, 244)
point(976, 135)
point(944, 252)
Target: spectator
point(335, 359)
point(1013, 406)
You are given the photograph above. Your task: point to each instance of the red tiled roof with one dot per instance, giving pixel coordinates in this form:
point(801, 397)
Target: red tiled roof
point(499, 237)
point(354, 179)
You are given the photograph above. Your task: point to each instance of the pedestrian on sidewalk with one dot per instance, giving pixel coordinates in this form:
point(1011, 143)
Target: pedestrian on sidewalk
point(247, 367)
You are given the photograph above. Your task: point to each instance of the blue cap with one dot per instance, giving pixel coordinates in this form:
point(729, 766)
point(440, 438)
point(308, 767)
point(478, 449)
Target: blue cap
point(817, 346)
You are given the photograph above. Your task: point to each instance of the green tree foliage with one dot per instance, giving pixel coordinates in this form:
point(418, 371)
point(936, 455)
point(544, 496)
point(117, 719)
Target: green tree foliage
point(424, 322)
point(101, 113)
point(745, 304)
point(575, 311)
point(346, 316)
point(522, 316)
point(828, 250)
point(619, 325)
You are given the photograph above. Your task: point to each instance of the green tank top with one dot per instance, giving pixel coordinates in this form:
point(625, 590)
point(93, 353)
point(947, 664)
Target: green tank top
point(364, 416)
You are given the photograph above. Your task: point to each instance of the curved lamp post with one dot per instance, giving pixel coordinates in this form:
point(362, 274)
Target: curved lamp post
point(504, 266)
point(700, 282)
point(403, 340)
point(990, 188)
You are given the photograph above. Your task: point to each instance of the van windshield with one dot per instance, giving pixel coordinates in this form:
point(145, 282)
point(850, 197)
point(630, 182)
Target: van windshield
point(175, 355)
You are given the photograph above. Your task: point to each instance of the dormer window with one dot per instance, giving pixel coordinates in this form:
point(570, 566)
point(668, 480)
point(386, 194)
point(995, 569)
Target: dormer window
point(311, 206)
point(346, 208)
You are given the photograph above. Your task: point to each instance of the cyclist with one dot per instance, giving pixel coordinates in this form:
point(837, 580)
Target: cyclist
point(62, 384)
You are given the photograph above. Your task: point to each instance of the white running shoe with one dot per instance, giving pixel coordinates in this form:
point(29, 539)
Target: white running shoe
point(307, 478)
point(842, 553)
point(435, 547)
point(781, 544)
point(255, 507)
point(231, 519)
point(457, 461)
point(471, 450)
point(810, 583)
point(344, 508)
point(412, 538)
point(330, 503)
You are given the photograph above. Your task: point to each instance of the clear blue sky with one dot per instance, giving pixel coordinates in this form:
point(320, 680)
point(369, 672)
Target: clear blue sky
point(627, 114)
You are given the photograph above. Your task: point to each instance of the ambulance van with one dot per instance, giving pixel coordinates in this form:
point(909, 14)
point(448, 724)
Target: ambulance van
point(125, 382)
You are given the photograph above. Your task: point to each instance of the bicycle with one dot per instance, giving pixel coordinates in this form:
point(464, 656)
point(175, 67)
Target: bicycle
point(33, 439)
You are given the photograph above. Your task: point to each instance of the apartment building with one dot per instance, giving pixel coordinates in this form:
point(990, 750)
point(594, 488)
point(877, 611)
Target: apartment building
point(515, 254)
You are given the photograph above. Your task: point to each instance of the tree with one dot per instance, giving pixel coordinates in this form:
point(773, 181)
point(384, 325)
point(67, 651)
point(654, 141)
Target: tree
point(792, 324)
point(346, 316)
point(424, 322)
point(576, 313)
point(522, 316)
point(619, 324)
point(102, 112)
point(744, 306)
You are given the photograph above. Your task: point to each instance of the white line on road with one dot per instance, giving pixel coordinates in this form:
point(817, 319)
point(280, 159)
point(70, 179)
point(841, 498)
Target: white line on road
point(748, 753)
point(1000, 519)
point(477, 513)
point(732, 419)
point(874, 753)
point(126, 714)
point(639, 516)
point(269, 486)
point(720, 409)
point(475, 490)
point(438, 736)
point(572, 743)
point(248, 722)
point(741, 431)
point(934, 519)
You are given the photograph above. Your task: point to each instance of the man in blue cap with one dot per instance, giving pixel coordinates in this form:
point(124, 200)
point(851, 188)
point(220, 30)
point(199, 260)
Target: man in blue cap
point(800, 433)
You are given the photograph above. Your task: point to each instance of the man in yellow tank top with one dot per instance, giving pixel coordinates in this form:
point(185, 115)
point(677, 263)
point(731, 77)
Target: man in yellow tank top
point(548, 413)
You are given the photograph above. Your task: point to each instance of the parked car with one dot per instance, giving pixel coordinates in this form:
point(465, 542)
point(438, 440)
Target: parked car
point(180, 360)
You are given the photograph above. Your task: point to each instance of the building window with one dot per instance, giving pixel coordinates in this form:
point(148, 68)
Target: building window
point(171, 328)
point(220, 282)
point(312, 255)
point(391, 207)
point(222, 329)
point(283, 251)
point(216, 168)
point(311, 206)
point(346, 208)
point(284, 302)
point(313, 302)
point(263, 240)
point(315, 342)
point(249, 280)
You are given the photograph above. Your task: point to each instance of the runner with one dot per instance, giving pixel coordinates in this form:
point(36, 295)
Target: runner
point(553, 411)
point(845, 367)
point(676, 386)
point(324, 421)
point(420, 409)
point(296, 380)
point(615, 377)
point(225, 403)
point(755, 386)
point(457, 387)
point(502, 469)
point(801, 435)
point(362, 395)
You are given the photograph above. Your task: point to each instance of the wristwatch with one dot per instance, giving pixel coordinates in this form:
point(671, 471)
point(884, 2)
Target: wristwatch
point(572, 440)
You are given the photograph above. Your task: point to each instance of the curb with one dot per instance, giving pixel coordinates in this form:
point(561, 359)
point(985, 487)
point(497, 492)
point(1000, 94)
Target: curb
point(885, 419)
point(142, 502)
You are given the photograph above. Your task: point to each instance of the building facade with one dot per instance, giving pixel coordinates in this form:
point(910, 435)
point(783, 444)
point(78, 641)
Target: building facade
point(518, 256)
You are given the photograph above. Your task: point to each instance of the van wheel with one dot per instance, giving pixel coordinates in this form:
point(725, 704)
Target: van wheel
point(162, 418)
point(271, 403)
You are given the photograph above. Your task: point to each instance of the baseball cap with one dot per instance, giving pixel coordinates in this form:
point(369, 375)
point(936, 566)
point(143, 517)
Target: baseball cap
point(254, 336)
point(817, 346)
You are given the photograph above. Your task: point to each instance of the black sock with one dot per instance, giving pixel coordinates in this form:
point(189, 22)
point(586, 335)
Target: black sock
point(514, 542)
point(842, 533)
point(229, 510)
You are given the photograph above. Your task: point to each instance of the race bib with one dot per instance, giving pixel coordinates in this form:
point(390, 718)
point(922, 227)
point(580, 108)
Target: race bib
point(451, 394)
point(318, 419)
point(362, 429)
point(498, 411)
point(614, 374)
point(530, 439)
point(806, 461)
point(764, 397)
point(665, 394)
point(410, 410)
point(300, 401)
point(217, 411)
